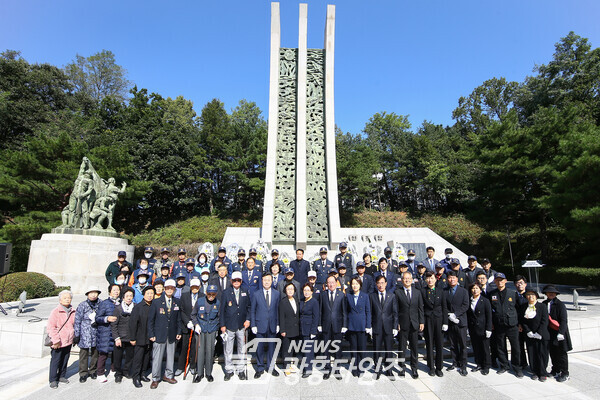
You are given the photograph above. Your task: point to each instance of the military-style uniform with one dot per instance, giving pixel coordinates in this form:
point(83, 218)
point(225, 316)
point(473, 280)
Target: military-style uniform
point(346, 259)
point(506, 320)
point(322, 269)
point(206, 315)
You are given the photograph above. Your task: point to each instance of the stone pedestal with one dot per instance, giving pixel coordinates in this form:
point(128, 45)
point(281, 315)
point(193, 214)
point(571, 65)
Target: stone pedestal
point(78, 261)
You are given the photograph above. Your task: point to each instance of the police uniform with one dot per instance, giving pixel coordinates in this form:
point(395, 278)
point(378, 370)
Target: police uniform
point(345, 259)
point(322, 269)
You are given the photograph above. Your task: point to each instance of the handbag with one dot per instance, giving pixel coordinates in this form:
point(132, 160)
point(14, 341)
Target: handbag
point(48, 340)
point(553, 324)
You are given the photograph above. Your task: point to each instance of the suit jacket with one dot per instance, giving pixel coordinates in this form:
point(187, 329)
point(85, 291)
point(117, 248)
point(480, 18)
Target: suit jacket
point(187, 307)
point(359, 314)
point(368, 284)
point(428, 266)
point(391, 281)
point(253, 283)
point(384, 317)
point(289, 320)
point(480, 319)
point(233, 314)
point(162, 324)
point(457, 304)
point(435, 309)
point(410, 312)
point(537, 324)
point(333, 317)
point(310, 317)
point(558, 312)
point(301, 269)
point(220, 288)
point(262, 317)
point(138, 324)
point(283, 283)
point(276, 280)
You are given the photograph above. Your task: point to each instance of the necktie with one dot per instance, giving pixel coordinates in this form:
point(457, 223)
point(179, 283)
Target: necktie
point(168, 304)
point(408, 295)
point(237, 296)
point(268, 298)
point(222, 283)
point(331, 299)
point(194, 300)
point(431, 263)
point(381, 298)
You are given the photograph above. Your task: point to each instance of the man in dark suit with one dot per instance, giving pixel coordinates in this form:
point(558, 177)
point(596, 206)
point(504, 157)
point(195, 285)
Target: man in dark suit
point(506, 325)
point(411, 321)
point(457, 304)
point(436, 315)
point(430, 262)
point(164, 330)
point(264, 319)
point(300, 267)
point(385, 272)
point(234, 319)
point(368, 285)
point(334, 323)
point(384, 321)
point(188, 301)
point(221, 281)
point(251, 277)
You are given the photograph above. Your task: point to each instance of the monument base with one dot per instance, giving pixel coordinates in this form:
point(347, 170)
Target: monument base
point(89, 232)
point(78, 261)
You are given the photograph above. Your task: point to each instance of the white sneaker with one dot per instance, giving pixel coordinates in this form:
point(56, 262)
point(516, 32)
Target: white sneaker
point(102, 379)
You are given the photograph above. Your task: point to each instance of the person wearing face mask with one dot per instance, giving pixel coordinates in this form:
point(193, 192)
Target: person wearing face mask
point(410, 261)
point(85, 334)
point(144, 267)
point(138, 288)
point(204, 277)
point(117, 266)
point(121, 335)
point(105, 341)
point(179, 285)
point(447, 259)
point(148, 253)
point(202, 262)
point(392, 264)
point(163, 261)
point(240, 264)
point(122, 280)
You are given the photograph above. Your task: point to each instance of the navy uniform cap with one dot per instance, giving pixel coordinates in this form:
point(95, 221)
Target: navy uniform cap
point(274, 251)
point(143, 273)
point(121, 254)
point(455, 261)
point(181, 250)
point(439, 265)
point(411, 252)
point(420, 264)
point(149, 248)
point(472, 258)
point(165, 250)
point(360, 264)
point(333, 271)
point(448, 251)
point(288, 270)
point(323, 250)
point(402, 264)
point(241, 252)
point(252, 251)
point(222, 249)
point(387, 250)
point(180, 275)
point(190, 261)
point(499, 275)
point(341, 265)
point(343, 245)
point(211, 289)
point(159, 281)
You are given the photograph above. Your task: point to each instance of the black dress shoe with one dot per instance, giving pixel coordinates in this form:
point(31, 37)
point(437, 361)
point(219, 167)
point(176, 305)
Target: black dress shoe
point(450, 368)
point(431, 372)
point(242, 376)
point(485, 371)
point(118, 379)
point(144, 379)
point(305, 375)
point(228, 375)
point(501, 371)
point(137, 383)
point(415, 375)
point(378, 375)
point(326, 375)
point(390, 375)
point(274, 372)
point(258, 374)
point(402, 373)
point(210, 378)
point(439, 373)
point(197, 379)
point(463, 371)
point(94, 375)
point(83, 378)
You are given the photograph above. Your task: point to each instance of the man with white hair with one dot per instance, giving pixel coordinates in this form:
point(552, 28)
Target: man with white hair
point(234, 319)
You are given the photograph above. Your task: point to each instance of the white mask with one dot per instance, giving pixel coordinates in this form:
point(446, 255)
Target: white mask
point(204, 277)
point(120, 281)
point(202, 260)
point(411, 258)
point(144, 266)
point(142, 280)
point(448, 256)
point(148, 255)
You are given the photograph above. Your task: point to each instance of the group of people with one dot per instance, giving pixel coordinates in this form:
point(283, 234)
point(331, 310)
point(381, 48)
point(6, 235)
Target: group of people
point(323, 315)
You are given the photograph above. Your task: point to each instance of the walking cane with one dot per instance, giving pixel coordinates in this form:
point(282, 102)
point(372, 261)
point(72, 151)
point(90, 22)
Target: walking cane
point(187, 358)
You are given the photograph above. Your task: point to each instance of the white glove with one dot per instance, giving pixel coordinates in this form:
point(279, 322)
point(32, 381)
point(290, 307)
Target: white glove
point(92, 316)
point(451, 316)
point(455, 320)
point(530, 335)
point(319, 329)
point(198, 329)
point(444, 328)
point(488, 334)
point(394, 332)
point(344, 330)
point(537, 336)
point(254, 330)
point(560, 337)
point(190, 325)
point(369, 331)
point(277, 329)
point(313, 336)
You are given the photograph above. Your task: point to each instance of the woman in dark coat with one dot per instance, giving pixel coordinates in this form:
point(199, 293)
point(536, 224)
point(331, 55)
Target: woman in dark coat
point(479, 318)
point(534, 322)
point(120, 333)
point(104, 317)
point(138, 331)
point(359, 323)
point(310, 317)
point(289, 322)
point(560, 340)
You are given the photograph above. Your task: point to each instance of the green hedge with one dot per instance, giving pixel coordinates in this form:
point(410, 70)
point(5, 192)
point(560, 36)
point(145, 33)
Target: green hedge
point(35, 284)
point(577, 276)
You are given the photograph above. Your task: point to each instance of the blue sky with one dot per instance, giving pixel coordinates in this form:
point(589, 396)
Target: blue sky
point(413, 58)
